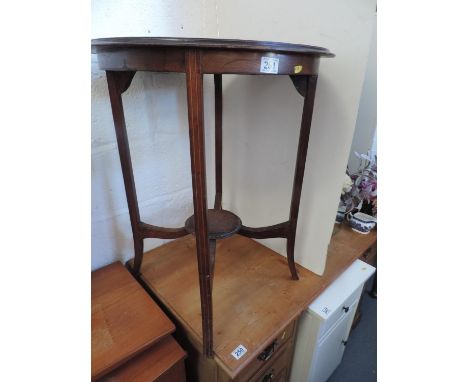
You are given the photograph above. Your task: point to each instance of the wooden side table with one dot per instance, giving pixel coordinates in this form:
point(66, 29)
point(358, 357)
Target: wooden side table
point(122, 57)
point(130, 334)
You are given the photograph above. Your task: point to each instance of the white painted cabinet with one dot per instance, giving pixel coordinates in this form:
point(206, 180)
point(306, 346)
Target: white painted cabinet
point(324, 328)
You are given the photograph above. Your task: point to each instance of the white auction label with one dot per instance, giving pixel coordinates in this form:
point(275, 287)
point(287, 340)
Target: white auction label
point(239, 352)
point(269, 65)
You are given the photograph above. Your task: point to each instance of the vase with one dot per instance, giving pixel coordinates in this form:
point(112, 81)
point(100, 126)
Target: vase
point(340, 214)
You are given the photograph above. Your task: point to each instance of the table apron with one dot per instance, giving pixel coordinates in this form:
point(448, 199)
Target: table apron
point(213, 61)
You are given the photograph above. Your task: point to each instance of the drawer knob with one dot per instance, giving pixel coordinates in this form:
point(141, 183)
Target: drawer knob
point(268, 377)
point(268, 352)
point(346, 308)
point(344, 342)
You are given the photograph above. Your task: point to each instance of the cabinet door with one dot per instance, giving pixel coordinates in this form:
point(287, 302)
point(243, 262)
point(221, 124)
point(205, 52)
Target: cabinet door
point(329, 351)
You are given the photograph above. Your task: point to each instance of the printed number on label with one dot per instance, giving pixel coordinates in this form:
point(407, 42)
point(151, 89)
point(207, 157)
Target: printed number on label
point(269, 65)
point(239, 352)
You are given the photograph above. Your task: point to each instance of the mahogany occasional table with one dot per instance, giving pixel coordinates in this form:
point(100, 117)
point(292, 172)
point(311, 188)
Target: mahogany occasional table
point(122, 57)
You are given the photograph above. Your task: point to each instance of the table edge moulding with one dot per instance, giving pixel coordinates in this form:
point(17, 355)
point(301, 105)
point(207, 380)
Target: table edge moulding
point(122, 57)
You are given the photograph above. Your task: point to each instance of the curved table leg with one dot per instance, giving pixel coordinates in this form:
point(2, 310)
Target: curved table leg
point(118, 83)
point(308, 88)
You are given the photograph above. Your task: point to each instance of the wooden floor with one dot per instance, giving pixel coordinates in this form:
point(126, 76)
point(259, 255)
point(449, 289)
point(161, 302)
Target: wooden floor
point(252, 289)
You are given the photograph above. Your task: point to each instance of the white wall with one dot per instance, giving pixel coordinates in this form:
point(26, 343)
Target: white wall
point(365, 132)
point(156, 115)
point(261, 121)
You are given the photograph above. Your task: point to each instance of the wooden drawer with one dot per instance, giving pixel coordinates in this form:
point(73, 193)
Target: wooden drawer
point(163, 362)
point(269, 354)
point(277, 368)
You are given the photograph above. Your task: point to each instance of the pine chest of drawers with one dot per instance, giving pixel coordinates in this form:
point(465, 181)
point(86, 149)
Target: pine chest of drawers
point(256, 305)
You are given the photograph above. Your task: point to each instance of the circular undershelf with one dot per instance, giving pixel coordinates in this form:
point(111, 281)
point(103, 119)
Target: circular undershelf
point(221, 224)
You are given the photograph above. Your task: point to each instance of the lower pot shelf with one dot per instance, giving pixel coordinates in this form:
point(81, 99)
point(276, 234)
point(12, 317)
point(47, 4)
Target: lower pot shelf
point(220, 223)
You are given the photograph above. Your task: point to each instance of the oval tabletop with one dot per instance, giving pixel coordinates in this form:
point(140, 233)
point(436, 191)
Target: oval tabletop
point(208, 43)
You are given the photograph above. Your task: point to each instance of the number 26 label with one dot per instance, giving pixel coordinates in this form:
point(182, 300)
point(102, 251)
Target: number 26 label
point(239, 352)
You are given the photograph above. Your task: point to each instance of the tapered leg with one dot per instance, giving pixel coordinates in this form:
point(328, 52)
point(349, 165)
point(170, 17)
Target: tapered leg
point(117, 83)
point(212, 244)
point(137, 260)
point(218, 140)
point(310, 85)
point(197, 155)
